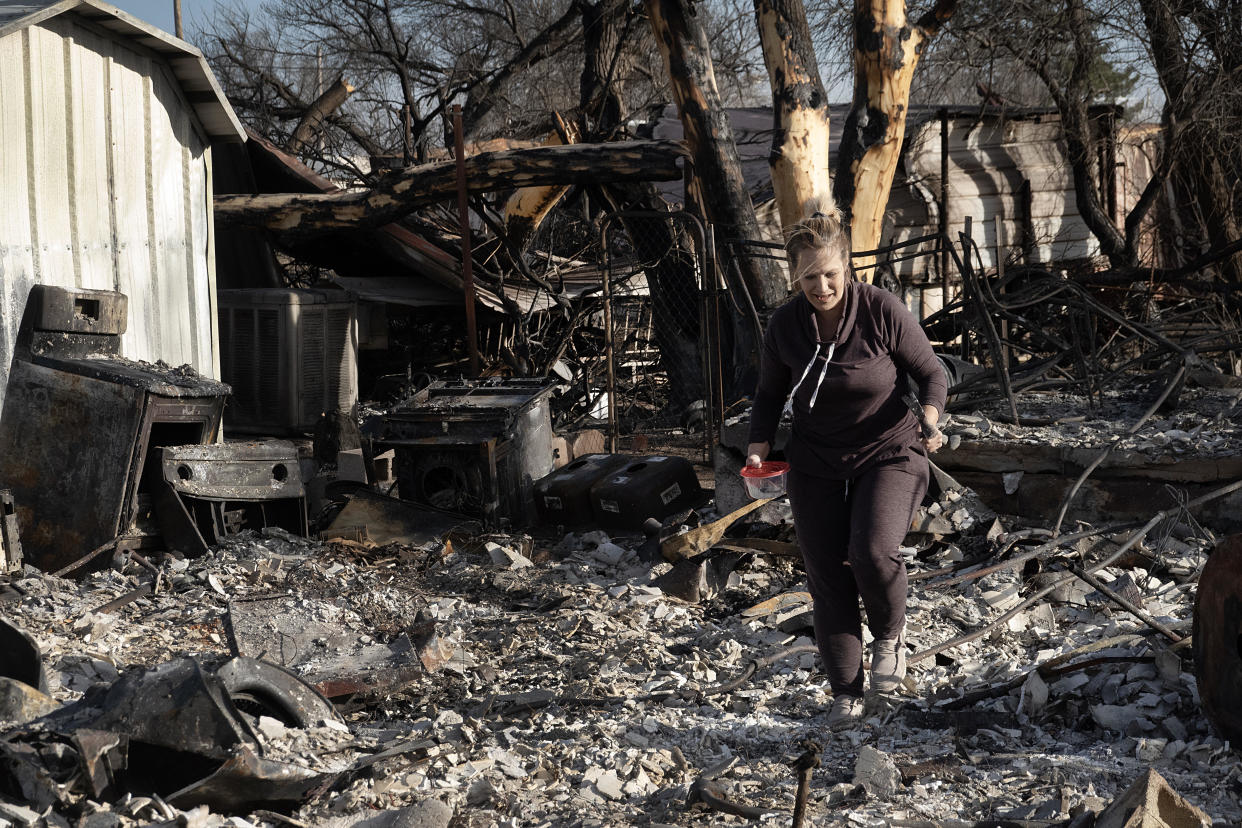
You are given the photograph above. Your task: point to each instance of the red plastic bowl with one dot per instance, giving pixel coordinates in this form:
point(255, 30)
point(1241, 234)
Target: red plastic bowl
point(766, 480)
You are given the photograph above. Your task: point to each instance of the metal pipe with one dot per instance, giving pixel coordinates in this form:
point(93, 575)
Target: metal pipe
point(1125, 604)
point(944, 208)
point(708, 336)
point(467, 252)
point(608, 356)
point(718, 401)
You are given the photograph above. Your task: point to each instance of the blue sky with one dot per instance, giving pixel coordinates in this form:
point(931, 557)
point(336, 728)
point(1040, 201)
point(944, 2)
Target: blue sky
point(160, 12)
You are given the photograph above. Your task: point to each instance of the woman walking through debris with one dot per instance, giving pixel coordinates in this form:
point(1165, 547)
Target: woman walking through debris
point(838, 354)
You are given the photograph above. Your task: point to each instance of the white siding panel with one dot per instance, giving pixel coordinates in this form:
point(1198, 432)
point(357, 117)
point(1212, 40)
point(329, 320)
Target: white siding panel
point(198, 250)
point(49, 154)
point(89, 70)
point(168, 199)
point(104, 178)
point(131, 199)
point(17, 260)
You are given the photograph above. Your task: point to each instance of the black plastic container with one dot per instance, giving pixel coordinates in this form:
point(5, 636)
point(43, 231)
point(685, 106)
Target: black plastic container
point(564, 496)
point(654, 486)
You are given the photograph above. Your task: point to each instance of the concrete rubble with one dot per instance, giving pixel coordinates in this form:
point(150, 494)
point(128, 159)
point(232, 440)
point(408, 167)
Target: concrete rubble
point(573, 690)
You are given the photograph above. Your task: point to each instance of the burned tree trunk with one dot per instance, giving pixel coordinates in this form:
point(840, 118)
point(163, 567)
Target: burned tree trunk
point(687, 58)
point(606, 27)
point(1198, 121)
point(887, 47)
point(300, 214)
point(323, 106)
point(526, 209)
point(664, 255)
point(799, 157)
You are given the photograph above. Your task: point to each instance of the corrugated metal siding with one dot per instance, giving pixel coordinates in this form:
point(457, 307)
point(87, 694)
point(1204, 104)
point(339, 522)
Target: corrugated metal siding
point(104, 178)
point(988, 163)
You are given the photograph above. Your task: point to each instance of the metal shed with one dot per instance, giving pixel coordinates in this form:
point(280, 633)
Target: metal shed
point(105, 173)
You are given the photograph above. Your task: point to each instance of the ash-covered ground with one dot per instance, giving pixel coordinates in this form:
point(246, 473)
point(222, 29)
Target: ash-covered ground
point(574, 691)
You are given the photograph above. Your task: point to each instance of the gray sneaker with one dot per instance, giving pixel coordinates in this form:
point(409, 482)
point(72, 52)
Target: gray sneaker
point(888, 663)
point(846, 710)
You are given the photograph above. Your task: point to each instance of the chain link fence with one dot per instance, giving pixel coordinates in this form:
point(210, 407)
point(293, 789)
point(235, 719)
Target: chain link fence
point(661, 361)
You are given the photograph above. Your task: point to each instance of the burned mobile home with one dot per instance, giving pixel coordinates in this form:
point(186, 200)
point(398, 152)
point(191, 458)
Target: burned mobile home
point(1004, 166)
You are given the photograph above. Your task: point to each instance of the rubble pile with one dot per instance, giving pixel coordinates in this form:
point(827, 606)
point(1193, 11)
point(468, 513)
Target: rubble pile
point(553, 681)
point(1207, 422)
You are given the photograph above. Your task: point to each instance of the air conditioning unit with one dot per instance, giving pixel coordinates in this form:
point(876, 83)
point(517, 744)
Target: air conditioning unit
point(290, 355)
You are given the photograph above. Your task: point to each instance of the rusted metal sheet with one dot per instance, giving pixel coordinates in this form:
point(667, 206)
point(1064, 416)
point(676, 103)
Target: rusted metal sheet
point(1218, 636)
point(10, 534)
point(282, 629)
point(103, 758)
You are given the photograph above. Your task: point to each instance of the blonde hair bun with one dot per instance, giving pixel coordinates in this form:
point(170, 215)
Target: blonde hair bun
point(821, 208)
point(821, 228)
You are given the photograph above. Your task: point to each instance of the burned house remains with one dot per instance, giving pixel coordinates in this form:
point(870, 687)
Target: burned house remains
point(378, 462)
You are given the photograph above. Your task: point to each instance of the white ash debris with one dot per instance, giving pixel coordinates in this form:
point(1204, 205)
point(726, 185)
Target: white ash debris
point(1206, 422)
point(582, 695)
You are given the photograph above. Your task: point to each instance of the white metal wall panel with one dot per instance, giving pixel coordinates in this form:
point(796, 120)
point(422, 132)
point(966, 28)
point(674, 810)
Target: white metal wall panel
point(130, 159)
point(197, 247)
point(17, 260)
point(49, 156)
point(988, 163)
point(168, 222)
point(90, 196)
point(104, 174)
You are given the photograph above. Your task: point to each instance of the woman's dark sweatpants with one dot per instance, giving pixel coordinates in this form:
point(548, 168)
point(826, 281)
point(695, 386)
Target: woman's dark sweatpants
point(849, 533)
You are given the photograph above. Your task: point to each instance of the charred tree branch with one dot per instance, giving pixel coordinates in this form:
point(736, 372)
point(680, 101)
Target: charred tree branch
point(319, 110)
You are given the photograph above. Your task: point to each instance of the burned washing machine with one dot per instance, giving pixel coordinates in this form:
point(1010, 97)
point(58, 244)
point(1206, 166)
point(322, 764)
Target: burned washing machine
point(214, 492)
point(474, 447)
point(82, 427)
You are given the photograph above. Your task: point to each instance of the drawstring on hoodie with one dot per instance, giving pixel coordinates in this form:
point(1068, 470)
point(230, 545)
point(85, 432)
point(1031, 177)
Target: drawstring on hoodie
point(832, 347)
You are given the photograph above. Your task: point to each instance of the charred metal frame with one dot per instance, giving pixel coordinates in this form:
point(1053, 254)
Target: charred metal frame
point(497, 436)
point(80, 424)
point(211, 492)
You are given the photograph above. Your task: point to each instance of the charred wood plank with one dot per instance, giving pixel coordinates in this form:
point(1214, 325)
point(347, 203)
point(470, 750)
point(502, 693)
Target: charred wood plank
point(394, 196)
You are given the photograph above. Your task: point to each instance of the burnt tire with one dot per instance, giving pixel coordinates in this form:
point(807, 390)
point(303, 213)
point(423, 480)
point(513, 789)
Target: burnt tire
point(260, 688)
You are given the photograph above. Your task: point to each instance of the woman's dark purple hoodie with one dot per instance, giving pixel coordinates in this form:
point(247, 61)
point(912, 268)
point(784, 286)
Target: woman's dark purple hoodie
point(859, 416)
